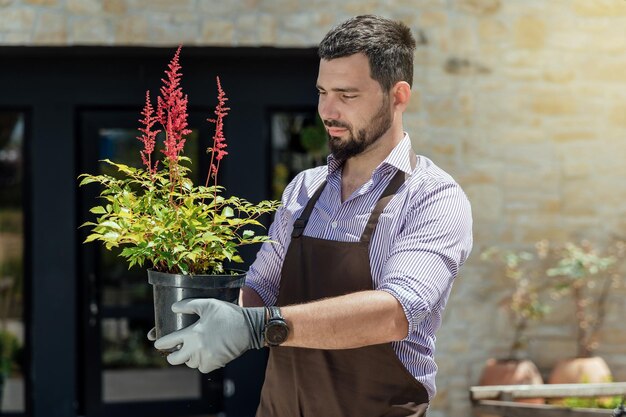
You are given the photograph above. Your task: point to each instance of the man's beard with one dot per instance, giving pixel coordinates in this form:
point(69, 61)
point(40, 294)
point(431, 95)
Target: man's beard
point(354, 145)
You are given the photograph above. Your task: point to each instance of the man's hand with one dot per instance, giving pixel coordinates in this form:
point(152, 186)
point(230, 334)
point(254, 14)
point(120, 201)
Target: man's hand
point(224, 332)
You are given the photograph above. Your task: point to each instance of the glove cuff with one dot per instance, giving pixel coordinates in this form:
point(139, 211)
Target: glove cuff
point(255, 317)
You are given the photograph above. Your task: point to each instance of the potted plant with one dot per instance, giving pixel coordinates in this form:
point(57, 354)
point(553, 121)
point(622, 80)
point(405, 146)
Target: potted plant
point(185, 234)
point(588, 277)
point(523, 304)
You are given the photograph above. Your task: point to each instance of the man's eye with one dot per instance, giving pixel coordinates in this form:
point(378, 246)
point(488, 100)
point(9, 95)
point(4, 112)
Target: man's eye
point(348, 96)
point(320, 92)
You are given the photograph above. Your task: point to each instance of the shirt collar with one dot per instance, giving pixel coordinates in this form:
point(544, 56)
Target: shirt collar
point(399, 158)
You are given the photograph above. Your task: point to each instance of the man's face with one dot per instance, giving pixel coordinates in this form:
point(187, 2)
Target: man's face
point(352, 105)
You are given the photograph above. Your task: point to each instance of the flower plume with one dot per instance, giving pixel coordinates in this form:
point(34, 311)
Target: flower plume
point(219, 141)
point(148, 136)
point(172, 110)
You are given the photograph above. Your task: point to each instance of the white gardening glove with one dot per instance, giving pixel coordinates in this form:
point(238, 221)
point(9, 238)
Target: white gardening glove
point(223, 332)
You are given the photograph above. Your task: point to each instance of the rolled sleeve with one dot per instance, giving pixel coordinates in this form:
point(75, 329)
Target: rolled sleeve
point(425, 258)
point(265, 272)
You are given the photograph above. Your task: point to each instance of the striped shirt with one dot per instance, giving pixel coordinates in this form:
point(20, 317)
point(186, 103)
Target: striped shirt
point(422, 238)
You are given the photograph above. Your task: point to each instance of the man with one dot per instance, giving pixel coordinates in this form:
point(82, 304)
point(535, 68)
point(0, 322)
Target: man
point(364, 255)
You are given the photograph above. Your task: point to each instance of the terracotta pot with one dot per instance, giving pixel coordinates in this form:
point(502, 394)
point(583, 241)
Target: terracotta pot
point(512, 372)
point(580, 370)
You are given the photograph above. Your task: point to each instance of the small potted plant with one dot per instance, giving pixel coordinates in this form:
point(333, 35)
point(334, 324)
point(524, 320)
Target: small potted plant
point(186, 234)
point(588, 277)
point(522, 301)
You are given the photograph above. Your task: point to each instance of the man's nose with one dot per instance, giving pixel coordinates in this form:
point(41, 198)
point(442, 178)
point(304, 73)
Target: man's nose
point(327, 108)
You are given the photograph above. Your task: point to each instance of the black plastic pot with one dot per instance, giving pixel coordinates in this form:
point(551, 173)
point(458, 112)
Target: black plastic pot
point(170, 288)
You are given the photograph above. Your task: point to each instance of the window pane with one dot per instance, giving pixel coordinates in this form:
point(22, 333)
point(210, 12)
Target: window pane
point(298, 142)
point(11, 261)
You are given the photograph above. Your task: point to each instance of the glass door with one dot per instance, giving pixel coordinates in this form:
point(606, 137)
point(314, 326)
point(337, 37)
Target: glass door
point(122, 371)
point(12, 323)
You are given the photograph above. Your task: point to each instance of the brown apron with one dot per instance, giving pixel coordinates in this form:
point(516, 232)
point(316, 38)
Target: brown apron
point(363, 382)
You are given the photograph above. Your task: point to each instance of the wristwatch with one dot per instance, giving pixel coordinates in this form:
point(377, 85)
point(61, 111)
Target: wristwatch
point(276, 329)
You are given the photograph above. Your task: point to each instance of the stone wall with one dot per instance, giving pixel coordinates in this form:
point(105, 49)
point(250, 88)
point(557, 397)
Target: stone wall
point(523, 101)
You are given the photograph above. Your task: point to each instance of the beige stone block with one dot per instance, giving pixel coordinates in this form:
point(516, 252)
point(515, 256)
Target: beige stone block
point(479, 7)
point(266, 30)
point(356, 7)
point(132, 30)
point(221, 9)
point(599, 8)
point(184, 18)
point(551, 103)
point(17, 38)
point(540, 226)
point(486, 200)
point(521, 134)
point(170, 34)
point(613, 70)
point(415, 103)
point(432, 18)
point(586, 38)
point(492, 31)
point(449, 111)
point(462, 37)
point(476, 177)
point(530, 32)
point(51, 28)
point(247, 27)
point(83, 6)
point(559, 75)
point(617, 115)
point(218, 32)
point(573, 135)
point(115, 7)
point(277, 7)
point(42, 2)
point(175, 6)
point(17, 20)
point(580, 197)
point(529, 174)
point(90, 31)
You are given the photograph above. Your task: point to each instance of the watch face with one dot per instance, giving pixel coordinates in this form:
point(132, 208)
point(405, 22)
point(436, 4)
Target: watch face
point(276, 333)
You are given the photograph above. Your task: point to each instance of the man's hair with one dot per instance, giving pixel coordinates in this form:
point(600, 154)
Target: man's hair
point(388, 45)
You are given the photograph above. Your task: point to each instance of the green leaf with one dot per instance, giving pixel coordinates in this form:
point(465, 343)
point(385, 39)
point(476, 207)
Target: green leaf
point(248, 234)
point(228, 212)
point(92, 237)
point(88, 180)
point(111, 224)
point(111, 236)
point(98, 210)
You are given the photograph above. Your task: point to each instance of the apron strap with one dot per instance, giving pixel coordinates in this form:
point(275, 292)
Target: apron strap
point(395, 183)
point(300, 224)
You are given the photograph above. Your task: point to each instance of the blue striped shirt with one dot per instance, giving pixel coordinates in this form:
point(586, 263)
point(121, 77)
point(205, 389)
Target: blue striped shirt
point(422, 238)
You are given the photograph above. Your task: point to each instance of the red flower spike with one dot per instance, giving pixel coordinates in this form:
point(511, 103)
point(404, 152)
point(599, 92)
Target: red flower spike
point(219, 141)
point(148, 137)
point(172, 110)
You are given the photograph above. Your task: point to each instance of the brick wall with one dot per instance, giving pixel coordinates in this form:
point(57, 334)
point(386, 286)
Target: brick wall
point(524, 102)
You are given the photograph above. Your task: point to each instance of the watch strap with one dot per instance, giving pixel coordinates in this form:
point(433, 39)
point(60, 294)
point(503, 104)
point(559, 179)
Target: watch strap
point(274, 313)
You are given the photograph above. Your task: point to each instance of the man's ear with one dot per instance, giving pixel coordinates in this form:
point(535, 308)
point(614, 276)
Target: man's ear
point(401, 93)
